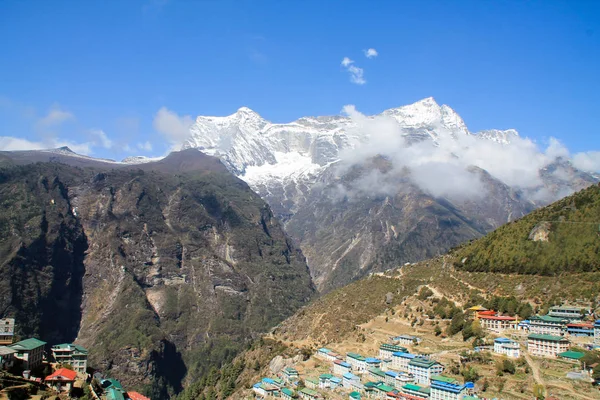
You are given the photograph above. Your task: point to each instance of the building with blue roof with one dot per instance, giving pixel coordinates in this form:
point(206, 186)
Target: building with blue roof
point(264, 389)
point(351, 381)
point(400, 360)
point(386, 350)
point(583, 329)
point(335, 382)
point(597, 331)
point(508, 347)
point(390, 378)
point(444, 388)
point(372, 362)
point(341, 367)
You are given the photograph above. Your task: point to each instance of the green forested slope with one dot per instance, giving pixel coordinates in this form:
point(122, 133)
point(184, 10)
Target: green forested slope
point(570, 225)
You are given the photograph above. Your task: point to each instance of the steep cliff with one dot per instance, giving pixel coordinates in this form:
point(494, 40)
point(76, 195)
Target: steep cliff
point(162, 270)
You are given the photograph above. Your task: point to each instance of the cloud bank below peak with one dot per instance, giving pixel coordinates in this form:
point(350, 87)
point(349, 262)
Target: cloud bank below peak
point(444, 167)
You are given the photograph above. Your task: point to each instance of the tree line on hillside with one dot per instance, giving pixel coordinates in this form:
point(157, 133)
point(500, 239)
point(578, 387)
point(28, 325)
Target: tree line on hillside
point(573, 241)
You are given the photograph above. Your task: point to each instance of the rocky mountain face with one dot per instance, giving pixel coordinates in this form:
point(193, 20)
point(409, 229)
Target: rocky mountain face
point(354, 210)
point(162, 269)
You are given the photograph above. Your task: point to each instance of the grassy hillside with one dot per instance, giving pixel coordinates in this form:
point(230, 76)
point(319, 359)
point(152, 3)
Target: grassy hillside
point(562, 237)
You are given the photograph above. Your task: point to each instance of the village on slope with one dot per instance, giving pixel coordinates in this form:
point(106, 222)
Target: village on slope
point(32, 369)
point(395, 358)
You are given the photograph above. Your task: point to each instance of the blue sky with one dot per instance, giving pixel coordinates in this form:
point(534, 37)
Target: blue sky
point(97, 72)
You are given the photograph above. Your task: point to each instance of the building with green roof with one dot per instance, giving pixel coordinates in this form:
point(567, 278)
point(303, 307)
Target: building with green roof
point(311, 383)
point(445, 379)
point(416, 391)
point(376, 373)
point(357, 362)
point(309, 394)
point(423, 369)
point(287, 394)
point(355, 396)
point(386, 350)
point(114, 393)
point(290, 375)
point(548, 325)
point(546, 345)
point(30, 352)
point(383, 388)
point(72, 354)
point(571, 355)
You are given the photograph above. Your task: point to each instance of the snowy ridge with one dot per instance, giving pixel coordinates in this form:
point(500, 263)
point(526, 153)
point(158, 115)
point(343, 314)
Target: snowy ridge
point(495, 135)
point(134, 160)
point(261, 152)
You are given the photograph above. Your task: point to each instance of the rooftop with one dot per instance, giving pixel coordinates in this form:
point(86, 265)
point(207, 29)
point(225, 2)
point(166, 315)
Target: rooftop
point(410, 386)
point(442, 378)
point(573, 355)
point(566, 308)
point(342, 363)
point(28, 344)
point(422, 363)
point(287, 391)
point(377, 371)
point(70, 347)
point(384, 388)
point(62, 374)
point(309, 392)
point(547, 318)
point(356, 356)
point(114, 394)
point(404, 355)
point(551, 338)
point(392, 347)
point(137, 396)
point(498, 317)
point(4, 350)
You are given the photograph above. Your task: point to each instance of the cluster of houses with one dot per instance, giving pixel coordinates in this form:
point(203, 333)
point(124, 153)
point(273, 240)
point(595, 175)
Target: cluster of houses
point(394, 374)
point(560, 321)
point(547, 334)
point(70, 358)
point(398, 374)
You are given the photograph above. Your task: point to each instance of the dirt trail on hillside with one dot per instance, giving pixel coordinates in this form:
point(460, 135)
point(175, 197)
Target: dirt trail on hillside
point(537, 376)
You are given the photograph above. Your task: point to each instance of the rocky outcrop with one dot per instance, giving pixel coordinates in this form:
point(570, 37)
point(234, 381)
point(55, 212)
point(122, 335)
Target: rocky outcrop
point(540, 232)
point(162, 270)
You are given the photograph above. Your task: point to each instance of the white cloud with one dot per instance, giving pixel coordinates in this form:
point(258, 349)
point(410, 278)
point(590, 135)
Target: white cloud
point(587, 161)
point(99, 138)
point(371, 53)
point(346, 61)
point(356, 73)
point(443, 168)
point(55, 117)
point(145, 146)
point(174, 127)
point(8, 143)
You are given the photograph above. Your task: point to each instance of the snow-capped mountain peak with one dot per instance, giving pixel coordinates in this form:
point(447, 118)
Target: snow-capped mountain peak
point(428, 114)
point(244, 139)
